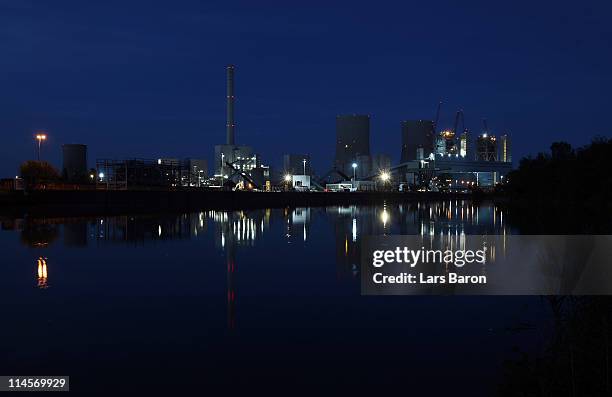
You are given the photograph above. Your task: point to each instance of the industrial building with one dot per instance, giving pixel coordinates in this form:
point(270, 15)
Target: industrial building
point(429, 155)
point(230, 156)
point(486, 147)
point(194, 172)
point(129, 173)
point(417, 139)
point(163, 172)
point(237, 163)
point(505, 150)
point(74, 167)
point(464, 144)
point(300, 182)
point(353, 145)
point(484, 174)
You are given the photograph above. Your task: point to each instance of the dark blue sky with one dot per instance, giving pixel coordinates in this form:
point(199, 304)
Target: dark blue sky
point(146, 78)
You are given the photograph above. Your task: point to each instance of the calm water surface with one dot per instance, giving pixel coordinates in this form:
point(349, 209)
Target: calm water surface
point(265, 298)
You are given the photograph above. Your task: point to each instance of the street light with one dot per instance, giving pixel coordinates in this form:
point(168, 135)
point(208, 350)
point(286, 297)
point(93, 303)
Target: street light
point(304, 161)
point(354, 165)
point(40, 138)
point(384, 176)
point(287, 179)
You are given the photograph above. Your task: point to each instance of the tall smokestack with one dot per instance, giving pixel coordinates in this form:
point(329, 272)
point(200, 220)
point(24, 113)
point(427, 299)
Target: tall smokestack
point(230, 105)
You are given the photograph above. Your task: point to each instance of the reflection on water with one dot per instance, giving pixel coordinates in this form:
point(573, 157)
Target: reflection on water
point(235, 292)
point(42, 272)
point(444, 224)
point(450, 220)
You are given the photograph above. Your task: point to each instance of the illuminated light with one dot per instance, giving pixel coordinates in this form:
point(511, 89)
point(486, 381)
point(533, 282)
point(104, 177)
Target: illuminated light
point(354, 165)
point(384, 217)
point(385, 176)
point(287, 178)
point(101, 175)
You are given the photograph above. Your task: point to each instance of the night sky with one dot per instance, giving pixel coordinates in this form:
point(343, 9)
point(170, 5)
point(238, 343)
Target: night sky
point(147, 78)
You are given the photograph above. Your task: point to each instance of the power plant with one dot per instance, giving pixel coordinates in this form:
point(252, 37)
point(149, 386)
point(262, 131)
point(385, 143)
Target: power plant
point(237, 164)
point(445, 158)
point(431, 158)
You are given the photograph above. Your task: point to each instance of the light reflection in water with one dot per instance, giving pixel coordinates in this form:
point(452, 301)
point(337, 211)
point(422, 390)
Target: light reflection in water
point(442, 224)
point(42, 272)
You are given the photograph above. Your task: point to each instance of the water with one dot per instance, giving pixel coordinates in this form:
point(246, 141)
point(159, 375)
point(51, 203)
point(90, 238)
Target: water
point(265, 299)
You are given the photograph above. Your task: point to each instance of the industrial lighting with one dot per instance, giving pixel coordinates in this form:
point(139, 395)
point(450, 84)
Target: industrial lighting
point(384, 217)
point(354, 165)
point(40, 138)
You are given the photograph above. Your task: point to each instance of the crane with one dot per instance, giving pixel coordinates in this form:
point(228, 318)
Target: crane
point(435, 124)
point(486, 127)
point(459, 115)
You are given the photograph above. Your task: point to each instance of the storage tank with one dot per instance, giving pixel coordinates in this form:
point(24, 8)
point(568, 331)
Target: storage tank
point(75, 162)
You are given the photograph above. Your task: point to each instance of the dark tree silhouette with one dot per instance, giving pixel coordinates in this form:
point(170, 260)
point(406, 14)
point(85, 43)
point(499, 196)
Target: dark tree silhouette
point(38, 171)
point(568, 189)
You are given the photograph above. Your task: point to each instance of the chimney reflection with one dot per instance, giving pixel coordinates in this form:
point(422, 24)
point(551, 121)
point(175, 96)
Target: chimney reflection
point(234, 229)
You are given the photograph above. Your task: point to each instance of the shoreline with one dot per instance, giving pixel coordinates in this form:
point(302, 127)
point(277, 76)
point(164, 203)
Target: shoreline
point(77, 202)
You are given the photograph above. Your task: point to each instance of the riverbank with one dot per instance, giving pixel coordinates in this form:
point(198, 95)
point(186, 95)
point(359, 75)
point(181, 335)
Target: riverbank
point(135, 201)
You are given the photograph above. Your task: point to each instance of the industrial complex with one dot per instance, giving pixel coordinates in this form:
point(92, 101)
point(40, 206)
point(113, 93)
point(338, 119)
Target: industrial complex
point(431, 159)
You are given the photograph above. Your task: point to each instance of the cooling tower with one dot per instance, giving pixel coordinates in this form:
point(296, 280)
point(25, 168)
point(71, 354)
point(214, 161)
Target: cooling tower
point(352, 139)
point(416, 134)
